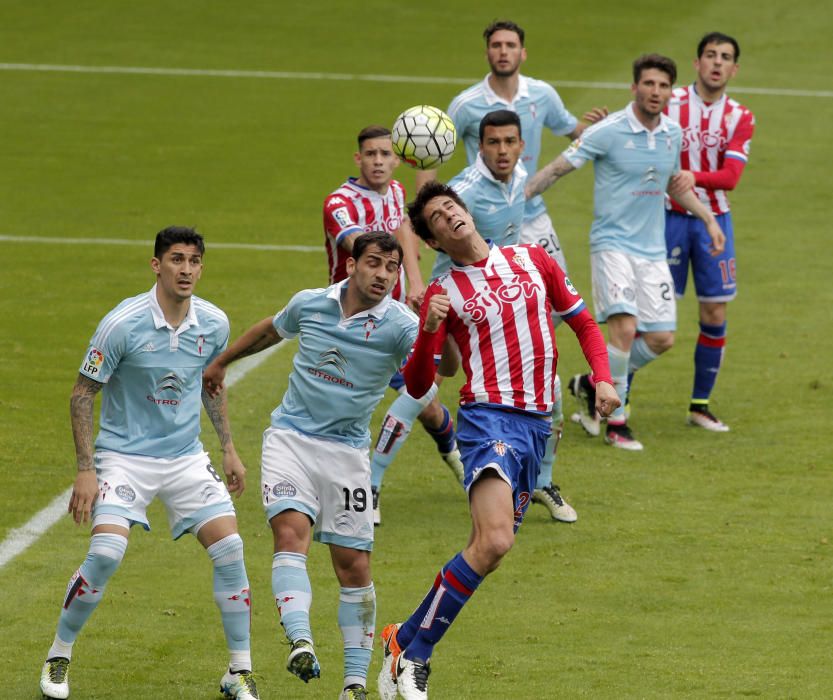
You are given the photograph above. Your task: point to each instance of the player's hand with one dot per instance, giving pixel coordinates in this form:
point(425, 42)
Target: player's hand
point(681, 183)
point(234, 470)
point(607, 400)
point(212, 379)
point(415, 297)
point(84, 494)
point(718, 244)
point(596, 114)
point(438, 307)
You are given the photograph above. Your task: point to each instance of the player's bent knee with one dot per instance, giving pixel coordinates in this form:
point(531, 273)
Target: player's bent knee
point(106, 553)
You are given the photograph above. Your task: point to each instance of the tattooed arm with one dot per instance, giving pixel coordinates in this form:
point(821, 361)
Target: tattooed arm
point(215, 407)
point(85, 488)
point(259, 337)
point(547, 176)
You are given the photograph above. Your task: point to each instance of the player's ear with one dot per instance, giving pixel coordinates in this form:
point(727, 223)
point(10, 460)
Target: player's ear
point(357, 159)
point(350, 265)
point(155, 265)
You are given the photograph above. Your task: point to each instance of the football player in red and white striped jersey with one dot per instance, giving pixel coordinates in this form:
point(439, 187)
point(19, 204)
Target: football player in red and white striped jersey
point(495, 303)
point(717, 132)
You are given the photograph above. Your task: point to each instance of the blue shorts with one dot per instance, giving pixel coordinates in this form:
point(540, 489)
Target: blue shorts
point(510, 442)
point(686, 239)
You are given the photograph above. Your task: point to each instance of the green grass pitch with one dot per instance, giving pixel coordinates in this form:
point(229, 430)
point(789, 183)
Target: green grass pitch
point(700, 568)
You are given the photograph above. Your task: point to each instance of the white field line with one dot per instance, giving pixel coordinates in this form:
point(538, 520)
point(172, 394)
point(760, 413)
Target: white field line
point(127, 241)
point(361, 77)
point(20, 539)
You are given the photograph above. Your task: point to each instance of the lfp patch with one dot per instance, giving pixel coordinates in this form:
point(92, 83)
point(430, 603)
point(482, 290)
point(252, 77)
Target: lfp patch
point(92, 365)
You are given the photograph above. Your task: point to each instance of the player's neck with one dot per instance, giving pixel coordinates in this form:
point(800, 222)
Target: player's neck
point(352, 303)
point(173, 309)
point(707, 94)
point(469, 251)
point(505, 87)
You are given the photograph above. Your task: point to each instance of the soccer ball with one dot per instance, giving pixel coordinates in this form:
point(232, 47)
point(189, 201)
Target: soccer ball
point(424, 136)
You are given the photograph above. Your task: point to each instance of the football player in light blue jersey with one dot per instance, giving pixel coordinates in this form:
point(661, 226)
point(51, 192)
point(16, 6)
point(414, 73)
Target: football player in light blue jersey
point(352, 336)
point(493, 185)
point(146, 358)
point(635, 153)
point(538, 105)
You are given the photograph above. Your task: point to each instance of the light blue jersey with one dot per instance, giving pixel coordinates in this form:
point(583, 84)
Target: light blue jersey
point(496, 207)
point(537, 104)
point(343, 365)
point(152, 375)
point(632, 167)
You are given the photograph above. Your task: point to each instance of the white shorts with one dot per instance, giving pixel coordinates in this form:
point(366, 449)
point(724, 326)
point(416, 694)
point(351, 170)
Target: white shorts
point(626, 284)
point(541, 232)
point(324, 479)
point(189, 487)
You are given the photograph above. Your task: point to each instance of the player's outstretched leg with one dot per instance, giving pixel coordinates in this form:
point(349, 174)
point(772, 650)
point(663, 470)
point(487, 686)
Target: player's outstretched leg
point(396, 427)
point(293, 597)
point(546, 492)
point(84, 592)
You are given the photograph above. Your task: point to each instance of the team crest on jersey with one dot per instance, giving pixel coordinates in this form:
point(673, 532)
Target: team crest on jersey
point(369, 326)
point(499, 447)
point(200, 344)
point(342, 216)
point(519, 260)
point(95, 358)
point(570, 288)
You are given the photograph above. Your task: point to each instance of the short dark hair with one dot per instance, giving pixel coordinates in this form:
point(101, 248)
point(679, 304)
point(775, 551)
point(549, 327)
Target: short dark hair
point(381, 239)
point(425, 194)
point(499, 24)
point(374, 131)
point(500, 117)
point(176, 234)
point(654, 60)
point(718, 38)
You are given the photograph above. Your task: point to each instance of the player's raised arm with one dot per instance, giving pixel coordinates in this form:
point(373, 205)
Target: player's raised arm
point(420, 370)
point(85, 488)
point(410, 247)
point(546, 176)
point(260, 336)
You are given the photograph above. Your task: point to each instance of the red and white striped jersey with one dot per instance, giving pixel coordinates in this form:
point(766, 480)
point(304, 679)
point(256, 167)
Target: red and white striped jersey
point(712, 133)
point(502, 328)
point(356, 209)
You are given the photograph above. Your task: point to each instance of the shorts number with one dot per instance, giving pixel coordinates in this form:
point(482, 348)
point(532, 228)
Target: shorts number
point(665, 291)
point(359, 498)
point(727, 270)
point(214, 473)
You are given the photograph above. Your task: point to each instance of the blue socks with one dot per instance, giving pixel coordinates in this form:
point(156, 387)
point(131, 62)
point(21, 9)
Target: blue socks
point(452, 589)
point(708, 356)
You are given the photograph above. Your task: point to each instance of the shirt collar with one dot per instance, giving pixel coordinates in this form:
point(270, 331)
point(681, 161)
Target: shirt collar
point(159, 316)
point(637, 126)
point(708, 105)
point(483, 169)
point(376, 312)
point(493, 98)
